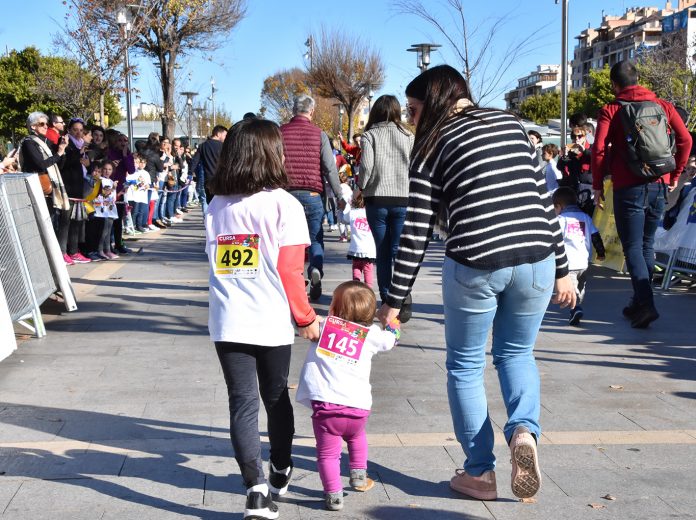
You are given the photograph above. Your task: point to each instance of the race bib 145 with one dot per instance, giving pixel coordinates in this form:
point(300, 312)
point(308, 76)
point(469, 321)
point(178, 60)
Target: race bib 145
point(342, 340)
point(237, 256)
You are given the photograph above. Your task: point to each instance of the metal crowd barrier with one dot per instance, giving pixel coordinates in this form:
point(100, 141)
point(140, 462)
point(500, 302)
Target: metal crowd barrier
point(31, 265)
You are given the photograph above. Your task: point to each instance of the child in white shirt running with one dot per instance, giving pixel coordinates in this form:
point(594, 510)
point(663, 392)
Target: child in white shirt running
point(335, 383)
point(362, 250)
point(256, 235)
point(579, 235)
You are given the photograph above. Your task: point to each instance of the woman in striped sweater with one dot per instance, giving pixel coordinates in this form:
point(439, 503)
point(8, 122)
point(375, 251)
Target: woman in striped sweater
point(475, 171)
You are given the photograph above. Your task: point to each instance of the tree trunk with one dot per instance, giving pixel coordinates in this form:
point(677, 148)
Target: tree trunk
point(101, 109)
point(351, 114)
point(168, 86)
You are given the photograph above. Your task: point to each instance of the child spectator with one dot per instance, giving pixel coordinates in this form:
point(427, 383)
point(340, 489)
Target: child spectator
point(551, 171)
point(256, 235)
point(139, 185)
point(105, 212)
point(579, 235)
point(362, 250)
point(335, 383)
point(344, 200)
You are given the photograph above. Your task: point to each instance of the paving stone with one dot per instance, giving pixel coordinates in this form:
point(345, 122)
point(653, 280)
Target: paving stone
point(137, 424)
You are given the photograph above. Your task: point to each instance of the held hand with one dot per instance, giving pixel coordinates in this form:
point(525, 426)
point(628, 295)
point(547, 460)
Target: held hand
point(564, 293)
point(311, 331)
point(387, 314)
point(598, 198)
point(672, 187)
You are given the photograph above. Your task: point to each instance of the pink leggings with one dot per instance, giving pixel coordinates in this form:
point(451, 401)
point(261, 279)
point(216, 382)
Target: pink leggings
point(332, 425)
point(363, 267)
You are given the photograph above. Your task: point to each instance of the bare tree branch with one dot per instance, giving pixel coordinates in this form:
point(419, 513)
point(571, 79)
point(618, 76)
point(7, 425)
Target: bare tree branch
point(344, 68)
point(484, 68)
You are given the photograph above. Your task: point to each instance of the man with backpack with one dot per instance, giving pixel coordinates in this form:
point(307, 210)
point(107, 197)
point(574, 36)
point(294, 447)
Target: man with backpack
point(643, 144)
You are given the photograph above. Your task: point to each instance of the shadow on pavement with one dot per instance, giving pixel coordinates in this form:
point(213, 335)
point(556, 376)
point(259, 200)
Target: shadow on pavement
point(124, 446)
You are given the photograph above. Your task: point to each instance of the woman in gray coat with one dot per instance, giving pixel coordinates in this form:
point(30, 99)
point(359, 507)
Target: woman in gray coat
point(386, 148)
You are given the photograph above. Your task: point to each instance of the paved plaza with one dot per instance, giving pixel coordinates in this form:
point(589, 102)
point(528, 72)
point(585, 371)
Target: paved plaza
point(121, 411)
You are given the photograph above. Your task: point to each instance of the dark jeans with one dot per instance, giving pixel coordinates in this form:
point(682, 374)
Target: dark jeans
point(118, 225)
point(183, 197)
point(241, 363)
point(139, 214)
point(93, 230)
point(386, 223)
point(314, 212)
point(170, 203)
point(68, 232)
point(637, 210)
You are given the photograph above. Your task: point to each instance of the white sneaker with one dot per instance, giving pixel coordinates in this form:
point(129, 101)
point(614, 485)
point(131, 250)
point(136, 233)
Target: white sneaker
point(179, 212)
point(177, 220)
point(152, 227)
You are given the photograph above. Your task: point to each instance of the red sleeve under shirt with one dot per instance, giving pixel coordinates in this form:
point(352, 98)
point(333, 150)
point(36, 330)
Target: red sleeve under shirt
point(291, 269)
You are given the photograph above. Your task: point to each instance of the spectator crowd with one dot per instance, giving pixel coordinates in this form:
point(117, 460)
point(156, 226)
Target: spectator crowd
point(99, 191)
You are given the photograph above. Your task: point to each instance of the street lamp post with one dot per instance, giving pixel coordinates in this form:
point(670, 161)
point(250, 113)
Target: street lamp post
point(422, 51)
point(213, 90)
point(310, 51)
point(189, 105)
point(123, 18)
point(199, 114)
point(564, 72)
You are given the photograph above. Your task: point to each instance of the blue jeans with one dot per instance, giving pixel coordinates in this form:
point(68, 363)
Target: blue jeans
point(139, 214)
point(637, 210)
point(170, 203)
point(200, 189)
point(159, 205)
point(183, 197)
point(513, 301)
point(386, 223)
point(314, 212)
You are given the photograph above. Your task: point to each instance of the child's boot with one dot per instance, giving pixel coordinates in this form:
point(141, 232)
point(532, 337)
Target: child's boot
point(334, 501)
point(359, 480)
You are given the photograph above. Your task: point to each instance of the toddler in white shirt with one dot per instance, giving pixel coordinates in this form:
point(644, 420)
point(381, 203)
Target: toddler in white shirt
point(335, 383)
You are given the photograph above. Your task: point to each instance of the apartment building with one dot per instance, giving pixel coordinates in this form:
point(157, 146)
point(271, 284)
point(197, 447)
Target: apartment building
point(546, 78)
point(623, 37)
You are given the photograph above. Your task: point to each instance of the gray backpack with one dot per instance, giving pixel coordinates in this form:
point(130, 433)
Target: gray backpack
point(649, 139)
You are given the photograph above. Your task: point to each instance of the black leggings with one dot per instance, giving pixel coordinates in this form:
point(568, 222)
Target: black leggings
point(241, 363)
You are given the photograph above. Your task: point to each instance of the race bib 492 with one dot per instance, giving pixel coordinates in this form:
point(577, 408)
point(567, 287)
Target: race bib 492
point(237, 256)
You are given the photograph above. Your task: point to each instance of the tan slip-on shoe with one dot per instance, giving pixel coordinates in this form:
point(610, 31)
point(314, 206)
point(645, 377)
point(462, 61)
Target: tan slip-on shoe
point(526, 477)
point(480, 488)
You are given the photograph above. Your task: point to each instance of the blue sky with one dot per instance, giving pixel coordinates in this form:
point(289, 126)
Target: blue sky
point(272, 38)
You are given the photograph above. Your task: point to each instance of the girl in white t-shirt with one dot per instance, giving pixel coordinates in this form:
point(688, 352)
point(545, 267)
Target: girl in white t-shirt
point(362, 250)
point(344, 200)
point(105, 210)
point(256, 235)
point(335, 383)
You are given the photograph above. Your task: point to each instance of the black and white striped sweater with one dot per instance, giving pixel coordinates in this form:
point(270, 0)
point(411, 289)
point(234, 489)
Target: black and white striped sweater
point(499, 211)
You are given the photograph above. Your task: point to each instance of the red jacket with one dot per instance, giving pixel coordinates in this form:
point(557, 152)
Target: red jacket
point(610, 131)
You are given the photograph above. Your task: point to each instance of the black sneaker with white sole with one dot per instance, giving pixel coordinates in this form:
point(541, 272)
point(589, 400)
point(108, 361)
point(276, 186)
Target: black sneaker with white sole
point(576, 315)
point(314, 284)
point(278, 481)
point(260, 507)
point(406, 312)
